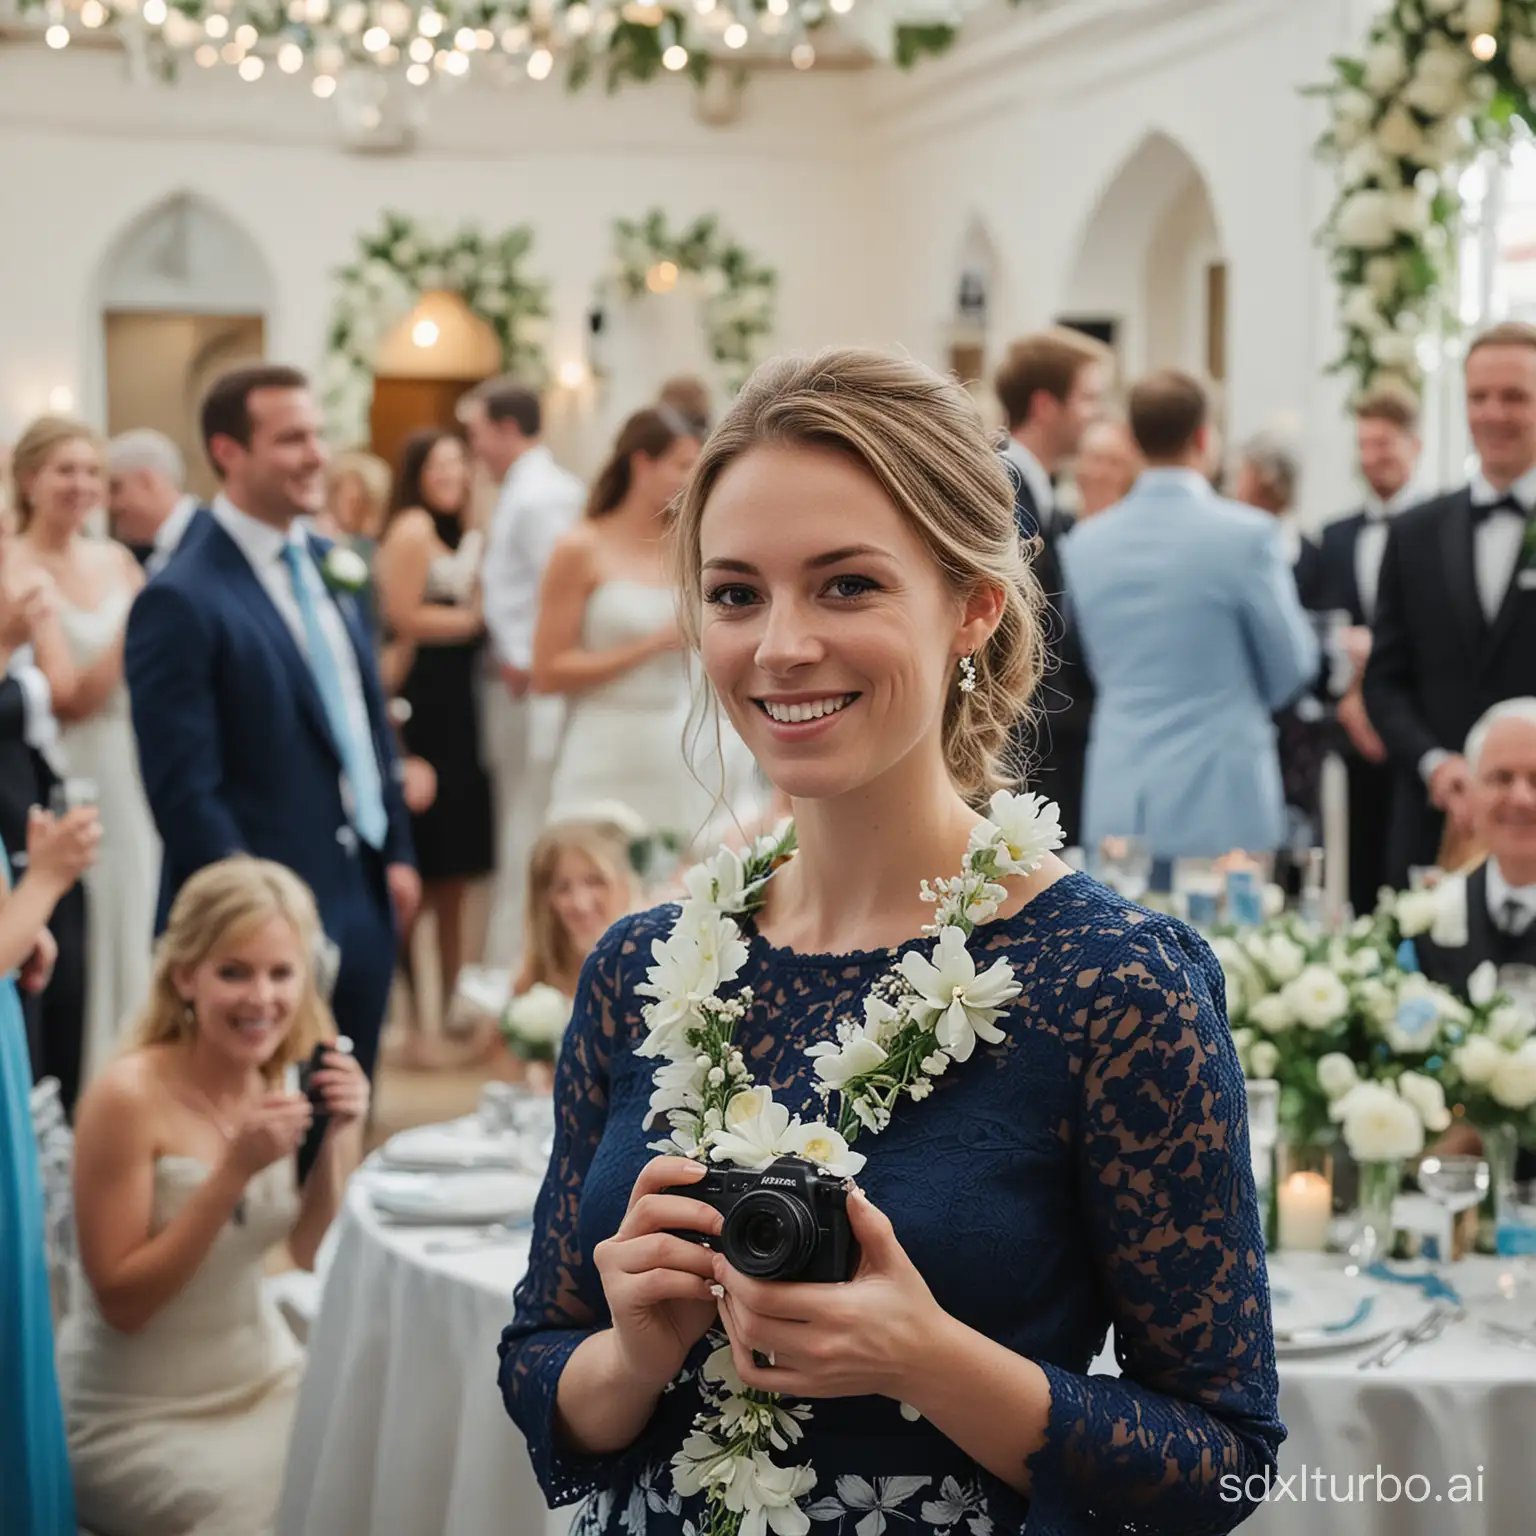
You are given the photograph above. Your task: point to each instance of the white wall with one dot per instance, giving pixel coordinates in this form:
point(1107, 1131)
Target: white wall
point(85, 152)
point(860, 189)
point(1027, 127)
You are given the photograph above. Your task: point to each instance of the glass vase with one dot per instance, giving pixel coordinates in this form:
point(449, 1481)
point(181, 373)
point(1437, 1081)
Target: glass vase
point(1380, 1181)
point(1501, 1151)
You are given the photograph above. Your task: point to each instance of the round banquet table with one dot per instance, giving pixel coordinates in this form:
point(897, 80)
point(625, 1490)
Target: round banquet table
point(400, 1428)
point(1462, 1403)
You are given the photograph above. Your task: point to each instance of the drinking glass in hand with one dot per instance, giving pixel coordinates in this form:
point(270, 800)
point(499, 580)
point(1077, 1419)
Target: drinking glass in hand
point(1456, 1183)
point(71, 794)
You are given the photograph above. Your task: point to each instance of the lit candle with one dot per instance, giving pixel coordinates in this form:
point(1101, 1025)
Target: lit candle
point(1306, 1208)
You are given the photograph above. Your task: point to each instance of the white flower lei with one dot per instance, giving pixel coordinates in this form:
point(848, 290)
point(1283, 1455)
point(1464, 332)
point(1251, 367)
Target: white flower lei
point(922, 1014)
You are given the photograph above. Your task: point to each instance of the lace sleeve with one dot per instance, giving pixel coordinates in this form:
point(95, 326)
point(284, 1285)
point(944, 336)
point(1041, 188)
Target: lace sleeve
point(1168, 1188)
point(557, 1304)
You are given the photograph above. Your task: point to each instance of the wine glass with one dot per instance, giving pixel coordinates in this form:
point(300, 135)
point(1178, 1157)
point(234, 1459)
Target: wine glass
point(1456, 1183)
point(1125, 866)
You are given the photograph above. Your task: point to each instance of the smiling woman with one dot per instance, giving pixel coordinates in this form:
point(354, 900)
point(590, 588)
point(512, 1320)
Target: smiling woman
point(1070, 1154)
point(178, 1376)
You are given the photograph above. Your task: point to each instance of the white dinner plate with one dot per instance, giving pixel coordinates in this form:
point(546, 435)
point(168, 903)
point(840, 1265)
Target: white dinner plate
point(461, 1144)
point(462, 1200)
point(1324, 1314)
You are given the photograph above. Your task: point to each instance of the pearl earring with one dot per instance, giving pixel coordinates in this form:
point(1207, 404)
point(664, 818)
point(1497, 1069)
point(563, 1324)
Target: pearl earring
point(967, 675)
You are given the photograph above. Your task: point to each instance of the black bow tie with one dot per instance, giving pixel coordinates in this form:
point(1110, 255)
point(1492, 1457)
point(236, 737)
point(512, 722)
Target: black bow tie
point(1506, 503)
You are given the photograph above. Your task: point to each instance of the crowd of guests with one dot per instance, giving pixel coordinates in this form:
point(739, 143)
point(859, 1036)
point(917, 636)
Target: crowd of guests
point(1382, 641)
point(275, 727)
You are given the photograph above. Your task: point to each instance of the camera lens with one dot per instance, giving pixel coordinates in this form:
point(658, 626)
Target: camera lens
point(769, 1235)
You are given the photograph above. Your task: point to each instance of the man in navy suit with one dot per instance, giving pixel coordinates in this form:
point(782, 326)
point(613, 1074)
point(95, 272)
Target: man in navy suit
point(256, 703)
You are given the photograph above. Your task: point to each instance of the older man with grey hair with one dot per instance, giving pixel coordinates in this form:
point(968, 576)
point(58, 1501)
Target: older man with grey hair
point(1501, 893)
point(1268, 477)
point(149, 508)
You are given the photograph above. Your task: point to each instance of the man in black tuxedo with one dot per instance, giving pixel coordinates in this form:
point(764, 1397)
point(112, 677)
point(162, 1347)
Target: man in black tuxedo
point(1387, 442)
point(1455, 626)
point(1051, 385)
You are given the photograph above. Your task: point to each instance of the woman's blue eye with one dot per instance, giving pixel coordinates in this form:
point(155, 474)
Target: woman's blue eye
point(852, 586)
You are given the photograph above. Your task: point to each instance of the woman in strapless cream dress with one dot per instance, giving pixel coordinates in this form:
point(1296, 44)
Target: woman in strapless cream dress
point(178, 1375)
point(607, 639)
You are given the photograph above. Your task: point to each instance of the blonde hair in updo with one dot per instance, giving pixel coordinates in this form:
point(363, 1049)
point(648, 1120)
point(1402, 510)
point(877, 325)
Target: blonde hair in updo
point(223, 903)
point(920, 437)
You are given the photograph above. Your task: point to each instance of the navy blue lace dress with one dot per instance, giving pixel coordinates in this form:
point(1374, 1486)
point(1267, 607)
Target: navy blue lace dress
point(1090, 1170)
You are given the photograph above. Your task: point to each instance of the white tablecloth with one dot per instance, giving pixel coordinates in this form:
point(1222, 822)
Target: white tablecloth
point(1453, 1407)
point(400, 1429)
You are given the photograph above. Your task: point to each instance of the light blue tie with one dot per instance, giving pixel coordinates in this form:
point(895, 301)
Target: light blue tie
point(357, 758)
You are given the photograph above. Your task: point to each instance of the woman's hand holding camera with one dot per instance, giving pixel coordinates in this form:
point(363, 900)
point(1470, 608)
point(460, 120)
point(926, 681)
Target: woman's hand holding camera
point(274, 1129)
point(870, 1336)
point(343, 1088)
point(658, 1285)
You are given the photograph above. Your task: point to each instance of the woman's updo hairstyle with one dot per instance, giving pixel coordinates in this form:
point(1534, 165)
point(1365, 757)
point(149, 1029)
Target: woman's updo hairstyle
point(921, 438)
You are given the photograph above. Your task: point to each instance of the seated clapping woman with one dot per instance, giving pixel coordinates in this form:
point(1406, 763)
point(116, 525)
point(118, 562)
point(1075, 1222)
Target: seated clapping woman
point(178, 1374)
point(580, 882)
point(1049, 1116)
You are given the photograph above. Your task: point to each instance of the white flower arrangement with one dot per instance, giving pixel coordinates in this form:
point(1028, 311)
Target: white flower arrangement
point(1435, 78)
point(924, 1014)
point(535, 1021)
point(740, 293)
point(396, 265)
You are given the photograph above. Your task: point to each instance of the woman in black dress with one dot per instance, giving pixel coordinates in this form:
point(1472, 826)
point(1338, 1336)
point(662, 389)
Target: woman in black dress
point(427, 574)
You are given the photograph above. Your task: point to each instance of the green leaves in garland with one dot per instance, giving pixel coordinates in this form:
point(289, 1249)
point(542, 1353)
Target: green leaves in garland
point(398, 263)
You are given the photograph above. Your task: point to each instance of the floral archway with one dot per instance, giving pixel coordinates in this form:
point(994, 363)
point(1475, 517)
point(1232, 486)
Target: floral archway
point(1436, 79)
point(395, 266)
point(740, 292)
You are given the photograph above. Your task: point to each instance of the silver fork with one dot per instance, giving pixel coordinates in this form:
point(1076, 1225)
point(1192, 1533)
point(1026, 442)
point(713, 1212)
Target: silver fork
point(1428, 1328)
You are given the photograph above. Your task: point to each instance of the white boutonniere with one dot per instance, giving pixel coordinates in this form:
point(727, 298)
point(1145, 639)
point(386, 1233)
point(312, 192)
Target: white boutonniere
point(344, 570)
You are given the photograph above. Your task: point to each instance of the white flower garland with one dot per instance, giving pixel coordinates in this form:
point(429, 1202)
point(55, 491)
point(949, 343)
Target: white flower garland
point(1435, 78)
point(398, 263)
point(740, 293)
point(920, 1016)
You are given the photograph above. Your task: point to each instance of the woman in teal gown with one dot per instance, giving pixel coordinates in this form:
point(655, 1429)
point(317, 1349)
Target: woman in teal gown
point(36, 1493)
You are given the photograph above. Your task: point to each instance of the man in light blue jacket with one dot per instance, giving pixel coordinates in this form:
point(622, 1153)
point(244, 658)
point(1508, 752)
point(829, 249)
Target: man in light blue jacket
point(1194, 635)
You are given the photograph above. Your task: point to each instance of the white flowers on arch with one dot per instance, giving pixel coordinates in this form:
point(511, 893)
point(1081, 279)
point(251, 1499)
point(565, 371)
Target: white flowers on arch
point(920, 1016)
point(740, 292)
point(396, 265)
point(1436, 78)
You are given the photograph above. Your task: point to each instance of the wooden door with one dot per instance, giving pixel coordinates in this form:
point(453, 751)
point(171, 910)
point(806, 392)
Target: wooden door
point(403, 406)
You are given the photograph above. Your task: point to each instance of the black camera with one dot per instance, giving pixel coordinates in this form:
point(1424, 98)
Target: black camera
point(307, 1069)
point(788, 1222)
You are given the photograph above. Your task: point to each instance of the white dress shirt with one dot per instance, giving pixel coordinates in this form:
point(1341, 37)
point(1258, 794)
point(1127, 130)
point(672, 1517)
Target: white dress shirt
point(169, 534)
point(1371, 543)
point(1496, 545)
point(1036, 477)
point(539, 502)
point(263, 546)
point(1501, 893)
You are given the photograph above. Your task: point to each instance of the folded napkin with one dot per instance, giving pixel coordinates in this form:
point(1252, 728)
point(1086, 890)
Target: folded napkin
point(1433, 1287)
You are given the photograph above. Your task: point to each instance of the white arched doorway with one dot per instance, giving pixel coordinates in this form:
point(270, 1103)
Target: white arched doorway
point(183, 294)
point(1150, 273)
